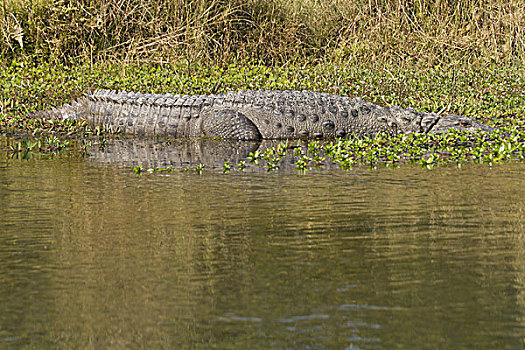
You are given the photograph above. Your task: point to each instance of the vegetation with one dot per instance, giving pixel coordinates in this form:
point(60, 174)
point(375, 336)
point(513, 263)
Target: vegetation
point(456, 56)
point(427, 32)
point(483, 93)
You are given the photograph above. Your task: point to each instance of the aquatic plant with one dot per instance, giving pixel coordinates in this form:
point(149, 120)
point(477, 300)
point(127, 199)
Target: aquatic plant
point(29, 148)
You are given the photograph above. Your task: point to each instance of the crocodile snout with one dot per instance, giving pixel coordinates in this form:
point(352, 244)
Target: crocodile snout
point(457, 122)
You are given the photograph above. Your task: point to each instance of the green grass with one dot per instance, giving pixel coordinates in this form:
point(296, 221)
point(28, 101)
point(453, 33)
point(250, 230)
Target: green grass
point(486, 94)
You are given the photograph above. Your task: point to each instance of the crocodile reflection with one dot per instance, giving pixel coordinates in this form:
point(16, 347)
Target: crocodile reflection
point(177, 154)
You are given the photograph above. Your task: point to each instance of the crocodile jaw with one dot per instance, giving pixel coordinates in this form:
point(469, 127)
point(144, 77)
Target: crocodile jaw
point(457, 122)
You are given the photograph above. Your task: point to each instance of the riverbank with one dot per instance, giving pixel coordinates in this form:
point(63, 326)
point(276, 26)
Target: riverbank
point(457, 57)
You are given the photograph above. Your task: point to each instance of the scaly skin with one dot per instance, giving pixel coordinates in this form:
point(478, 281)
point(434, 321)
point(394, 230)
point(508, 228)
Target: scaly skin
point(252, 115)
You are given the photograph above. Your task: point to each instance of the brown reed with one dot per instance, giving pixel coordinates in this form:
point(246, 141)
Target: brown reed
point(423, 32)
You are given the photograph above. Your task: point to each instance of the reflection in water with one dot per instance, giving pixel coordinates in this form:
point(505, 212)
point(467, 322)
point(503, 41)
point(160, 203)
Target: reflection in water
point(94, 257)
point(178, 154)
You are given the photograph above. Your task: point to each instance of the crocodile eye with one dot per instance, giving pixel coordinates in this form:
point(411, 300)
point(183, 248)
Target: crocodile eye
point(464, 123)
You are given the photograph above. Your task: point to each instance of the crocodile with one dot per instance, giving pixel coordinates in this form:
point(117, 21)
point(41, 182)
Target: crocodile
point(252, 115)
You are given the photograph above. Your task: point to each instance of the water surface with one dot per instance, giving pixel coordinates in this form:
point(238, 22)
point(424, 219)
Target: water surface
point(94, 257)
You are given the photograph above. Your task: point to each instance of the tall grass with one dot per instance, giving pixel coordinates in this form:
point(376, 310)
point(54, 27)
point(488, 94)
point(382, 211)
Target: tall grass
point(425, 32)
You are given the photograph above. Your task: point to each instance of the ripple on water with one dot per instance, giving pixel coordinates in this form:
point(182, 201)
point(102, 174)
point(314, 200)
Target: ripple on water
point(362, 259)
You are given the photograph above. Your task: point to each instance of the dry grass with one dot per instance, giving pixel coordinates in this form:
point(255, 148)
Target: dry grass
point(426, 32)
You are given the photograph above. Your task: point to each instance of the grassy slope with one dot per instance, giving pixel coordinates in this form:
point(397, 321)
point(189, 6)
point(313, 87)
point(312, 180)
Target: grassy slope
point(459, 56)
point(422, 32)
point(462, 56)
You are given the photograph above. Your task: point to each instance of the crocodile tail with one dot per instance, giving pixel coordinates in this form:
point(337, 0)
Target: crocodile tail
point(73, 110)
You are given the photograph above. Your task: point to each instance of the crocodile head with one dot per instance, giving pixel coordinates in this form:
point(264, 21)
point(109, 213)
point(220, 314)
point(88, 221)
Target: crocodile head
point(457, 122)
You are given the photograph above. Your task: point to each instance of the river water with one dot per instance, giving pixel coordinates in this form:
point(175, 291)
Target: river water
point(95, 257)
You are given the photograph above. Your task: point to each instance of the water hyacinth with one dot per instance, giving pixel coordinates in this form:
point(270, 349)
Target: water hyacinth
point(428, 150)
